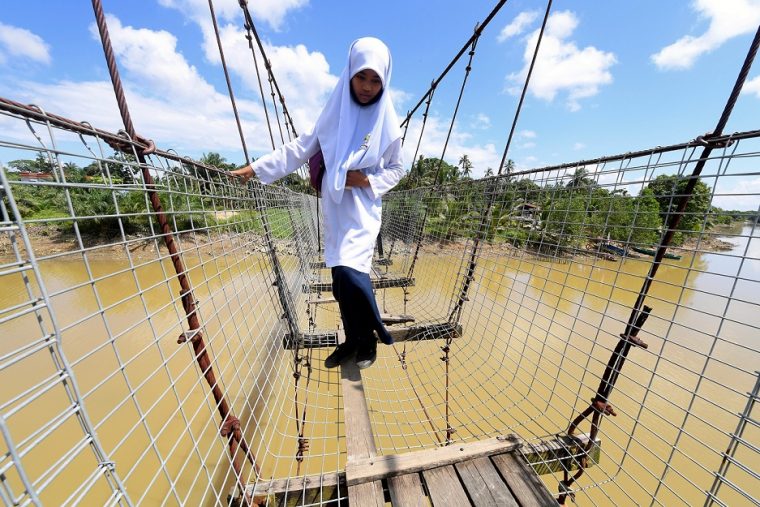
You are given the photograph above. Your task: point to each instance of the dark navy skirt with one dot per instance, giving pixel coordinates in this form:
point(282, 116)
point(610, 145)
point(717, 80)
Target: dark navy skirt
point(358, 308)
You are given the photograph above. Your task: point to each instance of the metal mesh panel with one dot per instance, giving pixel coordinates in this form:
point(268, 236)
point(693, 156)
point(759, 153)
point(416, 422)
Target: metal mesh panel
point(101, 405)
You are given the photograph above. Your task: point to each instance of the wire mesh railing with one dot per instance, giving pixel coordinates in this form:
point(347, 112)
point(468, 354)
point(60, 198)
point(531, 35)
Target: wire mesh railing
point(100, 404)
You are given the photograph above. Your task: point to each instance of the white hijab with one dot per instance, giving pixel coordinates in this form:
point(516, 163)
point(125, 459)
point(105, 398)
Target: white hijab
point(343, 120)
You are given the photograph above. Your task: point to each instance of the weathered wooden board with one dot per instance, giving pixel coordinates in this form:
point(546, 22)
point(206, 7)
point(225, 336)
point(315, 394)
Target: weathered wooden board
point(484, 483)
point(433, 331)
point(380, 467)
point(406, 491)
point(560, 453)
point(523, 481)
point(444, 487)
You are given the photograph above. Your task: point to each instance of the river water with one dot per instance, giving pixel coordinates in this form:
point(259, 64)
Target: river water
point(549, 330)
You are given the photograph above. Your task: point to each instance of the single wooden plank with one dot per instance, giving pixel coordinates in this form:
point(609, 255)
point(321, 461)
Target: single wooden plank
point(523, 481)
point(431, 331)
point(277, 486)
point(444, 487)
point(484, 484)
point(324, 338)
point(369, 494)
point(406, 491)
point(375, 262)
point(380, 467)
point(321, 301)
point(316, 340)
point(396, 319)
point(360, 443)
point(561, 453)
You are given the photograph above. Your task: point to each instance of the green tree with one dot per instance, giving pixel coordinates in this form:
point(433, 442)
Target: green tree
point(564, 219)
point(41, 164)
point(581, 179)
point(668, 191)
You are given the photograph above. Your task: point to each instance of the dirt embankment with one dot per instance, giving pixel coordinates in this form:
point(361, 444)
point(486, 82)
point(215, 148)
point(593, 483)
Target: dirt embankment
point(47, 241)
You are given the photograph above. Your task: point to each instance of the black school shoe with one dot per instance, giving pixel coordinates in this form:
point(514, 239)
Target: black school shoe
point(338, 356)
point(367, 354)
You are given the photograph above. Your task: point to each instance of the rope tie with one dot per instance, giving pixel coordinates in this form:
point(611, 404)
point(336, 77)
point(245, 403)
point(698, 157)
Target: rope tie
point(231, 428)
point(711, 141)
point(128, 145)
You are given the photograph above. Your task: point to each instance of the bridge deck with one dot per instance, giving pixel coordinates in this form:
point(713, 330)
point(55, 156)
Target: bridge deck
point(487, 472)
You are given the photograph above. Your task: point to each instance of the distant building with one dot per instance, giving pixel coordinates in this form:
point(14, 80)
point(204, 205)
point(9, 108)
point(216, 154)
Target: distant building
point(529, 215)
point(30, 176)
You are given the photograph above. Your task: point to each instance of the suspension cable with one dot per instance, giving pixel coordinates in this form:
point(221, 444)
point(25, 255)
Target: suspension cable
point(600, 405)
point(456, 58)
point(230, 424)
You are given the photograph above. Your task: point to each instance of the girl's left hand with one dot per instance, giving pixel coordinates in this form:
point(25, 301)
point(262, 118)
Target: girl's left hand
point(356, 179)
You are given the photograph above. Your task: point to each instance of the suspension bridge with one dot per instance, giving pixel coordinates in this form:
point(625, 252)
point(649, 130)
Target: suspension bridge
point(556, 336)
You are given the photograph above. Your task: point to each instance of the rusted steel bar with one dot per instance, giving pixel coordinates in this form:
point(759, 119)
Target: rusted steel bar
point(230, 426)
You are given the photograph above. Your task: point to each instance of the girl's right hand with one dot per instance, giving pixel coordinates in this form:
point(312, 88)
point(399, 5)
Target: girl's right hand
point(244, 173)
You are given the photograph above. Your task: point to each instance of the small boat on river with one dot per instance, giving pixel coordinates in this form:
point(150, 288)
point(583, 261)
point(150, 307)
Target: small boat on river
point(653, 252)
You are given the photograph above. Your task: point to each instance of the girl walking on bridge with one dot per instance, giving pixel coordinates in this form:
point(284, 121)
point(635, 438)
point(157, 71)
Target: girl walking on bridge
point(359, 138)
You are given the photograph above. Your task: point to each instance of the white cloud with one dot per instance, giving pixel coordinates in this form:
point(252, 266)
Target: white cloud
point(578, 146)
point(460, 143)
point(170, 102)
point(527, 145)
point(517, 26)
point(153, 64)
point(752, 86)
point(561, 66)
point(737, 192)
point(481, 121)
point(303, 76)
point(272, 12)
point(527, 134)
point(727, 19)
point(21, 43)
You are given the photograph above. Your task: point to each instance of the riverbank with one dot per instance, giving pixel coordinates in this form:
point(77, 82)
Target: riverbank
point(47, 241)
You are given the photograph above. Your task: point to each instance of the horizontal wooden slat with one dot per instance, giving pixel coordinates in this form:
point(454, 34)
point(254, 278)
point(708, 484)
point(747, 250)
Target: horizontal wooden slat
point(324, 338)
point(386, 282)
point(375, 262)
point(444, 487)
point(276, 486)
point(380, 467)
point(396, 319)
point(526, 487)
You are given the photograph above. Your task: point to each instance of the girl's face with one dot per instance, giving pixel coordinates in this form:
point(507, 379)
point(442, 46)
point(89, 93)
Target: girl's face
point(366, 85)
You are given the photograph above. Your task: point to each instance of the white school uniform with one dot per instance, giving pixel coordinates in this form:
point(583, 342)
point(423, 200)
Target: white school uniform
point(351, 137)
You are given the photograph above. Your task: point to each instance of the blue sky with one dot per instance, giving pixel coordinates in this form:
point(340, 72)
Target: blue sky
point(612, 77)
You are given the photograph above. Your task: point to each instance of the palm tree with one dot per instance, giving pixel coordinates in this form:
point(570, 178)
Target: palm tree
point(466, 166)
point(581, 178)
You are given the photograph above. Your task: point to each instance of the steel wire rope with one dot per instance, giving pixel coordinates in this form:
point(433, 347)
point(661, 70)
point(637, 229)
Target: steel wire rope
point(600, 405)
point(230, 426)
point(298, 360)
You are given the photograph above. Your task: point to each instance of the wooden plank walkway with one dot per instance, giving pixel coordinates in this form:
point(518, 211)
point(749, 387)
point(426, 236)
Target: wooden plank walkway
point(491, 472)
point(463, 474)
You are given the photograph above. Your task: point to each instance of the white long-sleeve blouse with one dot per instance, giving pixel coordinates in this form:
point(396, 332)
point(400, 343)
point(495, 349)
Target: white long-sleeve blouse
point(352, 225)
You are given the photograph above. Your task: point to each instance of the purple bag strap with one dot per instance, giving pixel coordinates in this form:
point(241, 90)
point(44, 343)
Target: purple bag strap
point(316, 170)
